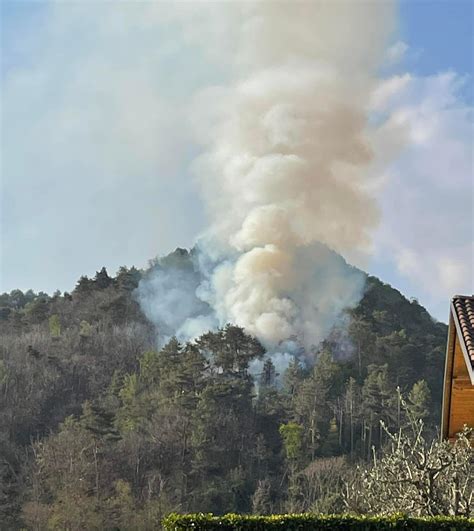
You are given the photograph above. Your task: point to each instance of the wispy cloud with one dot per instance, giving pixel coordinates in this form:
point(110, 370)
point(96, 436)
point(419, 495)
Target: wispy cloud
point(428, 203)
point(396, 52)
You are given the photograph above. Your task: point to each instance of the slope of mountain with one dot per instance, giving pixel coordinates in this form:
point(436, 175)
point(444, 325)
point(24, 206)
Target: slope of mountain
point(93, 418)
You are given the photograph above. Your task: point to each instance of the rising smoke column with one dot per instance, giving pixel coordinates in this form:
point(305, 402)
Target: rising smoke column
point(286, 168)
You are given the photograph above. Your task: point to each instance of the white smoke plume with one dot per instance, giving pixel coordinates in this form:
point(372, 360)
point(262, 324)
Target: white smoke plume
point(286, 175)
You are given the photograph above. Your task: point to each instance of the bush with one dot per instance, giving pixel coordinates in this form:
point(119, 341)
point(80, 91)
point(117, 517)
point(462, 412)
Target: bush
point(417, 478)
point(307, 522)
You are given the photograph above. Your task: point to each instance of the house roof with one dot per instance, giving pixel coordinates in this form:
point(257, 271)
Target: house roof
point(463, 306)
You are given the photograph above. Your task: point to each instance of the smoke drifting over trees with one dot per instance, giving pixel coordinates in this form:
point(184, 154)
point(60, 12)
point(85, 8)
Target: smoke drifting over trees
point(285, 175)
point(100, 428)
point(184, 386)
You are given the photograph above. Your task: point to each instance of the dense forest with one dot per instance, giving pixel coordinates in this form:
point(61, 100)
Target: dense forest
point(101, 428)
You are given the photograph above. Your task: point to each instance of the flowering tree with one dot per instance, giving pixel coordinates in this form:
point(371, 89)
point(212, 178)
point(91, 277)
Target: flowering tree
point(416, 477)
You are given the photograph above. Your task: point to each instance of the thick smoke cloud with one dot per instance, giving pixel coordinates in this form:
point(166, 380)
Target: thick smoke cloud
point(286, 175)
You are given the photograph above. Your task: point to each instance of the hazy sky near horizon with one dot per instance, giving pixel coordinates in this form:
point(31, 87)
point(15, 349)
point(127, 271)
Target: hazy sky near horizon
point(97, 145)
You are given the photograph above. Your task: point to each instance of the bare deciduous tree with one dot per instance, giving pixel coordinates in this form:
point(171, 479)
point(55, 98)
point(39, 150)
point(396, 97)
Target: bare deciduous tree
point(417, 477)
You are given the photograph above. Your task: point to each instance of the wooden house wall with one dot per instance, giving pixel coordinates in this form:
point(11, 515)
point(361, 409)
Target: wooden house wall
point(461, 407)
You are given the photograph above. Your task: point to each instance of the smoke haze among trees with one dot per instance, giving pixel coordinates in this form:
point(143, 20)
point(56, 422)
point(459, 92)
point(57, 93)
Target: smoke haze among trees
point(100, 427)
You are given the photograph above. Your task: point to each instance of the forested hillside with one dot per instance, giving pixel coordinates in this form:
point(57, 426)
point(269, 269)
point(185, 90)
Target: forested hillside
point(99, 427)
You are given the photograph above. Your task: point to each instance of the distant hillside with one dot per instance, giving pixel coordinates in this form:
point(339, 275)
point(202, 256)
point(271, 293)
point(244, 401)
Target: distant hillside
point(184, 428)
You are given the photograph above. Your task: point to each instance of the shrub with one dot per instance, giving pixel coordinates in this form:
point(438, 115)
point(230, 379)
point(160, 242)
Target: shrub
point(307, 522)
point(417, 478)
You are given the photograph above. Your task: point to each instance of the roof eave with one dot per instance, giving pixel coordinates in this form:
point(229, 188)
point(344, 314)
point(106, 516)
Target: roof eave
point(467, 358)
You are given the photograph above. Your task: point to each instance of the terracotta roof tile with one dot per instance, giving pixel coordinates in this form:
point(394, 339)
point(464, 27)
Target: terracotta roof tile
point(464, 307)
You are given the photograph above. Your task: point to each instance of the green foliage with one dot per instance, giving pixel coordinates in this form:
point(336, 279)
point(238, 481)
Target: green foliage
point(121, 506)
point(54, 326)
point(268, 376)
point(232, 349)
point(85, 329)
point(310, 522)
point(37, 310)
point(150, 367)
point(96, 422)
point(128, 279)
point(130, 415)
point(99, 422)
point(292, 378)
point(292, 440)
point(313, 399)
point(102, 279)
point(84, 287)
point(419, 400)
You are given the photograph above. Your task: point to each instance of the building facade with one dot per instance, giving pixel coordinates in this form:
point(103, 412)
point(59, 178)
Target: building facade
point(458, 396)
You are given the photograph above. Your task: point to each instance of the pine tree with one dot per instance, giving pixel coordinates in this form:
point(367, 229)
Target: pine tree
point(131, 415)
point(419, 399)
point(99, 422)
point(312, 404)
point(127, 279)
point(150, 368)
point(167, 366)
point(102, 279)
point(378, 402)
point(292, 378)
point(231, 349)
point(267, 378)
point(37, 311)
point(84, 286)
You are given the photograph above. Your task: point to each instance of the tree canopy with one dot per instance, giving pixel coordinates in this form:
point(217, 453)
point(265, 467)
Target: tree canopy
point(100, 427)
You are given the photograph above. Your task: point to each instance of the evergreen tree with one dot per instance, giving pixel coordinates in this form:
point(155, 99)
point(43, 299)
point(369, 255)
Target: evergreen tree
point(313, 400)
point(292, 378)
point(99, 422)
point(267, 378)
point(185, 427)
point(231, 349)
point(84, 286)
point(102, 279)
point(127, 279)
point(419, 400)
point(131, 415)
point(378, 403)
point(37, 311)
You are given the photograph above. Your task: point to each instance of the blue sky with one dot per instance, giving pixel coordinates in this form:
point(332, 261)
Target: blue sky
point(440, 31)
point(77, 195)
point(441, 39)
